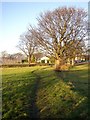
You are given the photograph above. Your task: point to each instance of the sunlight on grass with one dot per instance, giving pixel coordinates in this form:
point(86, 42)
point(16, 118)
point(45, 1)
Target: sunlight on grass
point(80, 67)
point(59, 95)
point(17, 90)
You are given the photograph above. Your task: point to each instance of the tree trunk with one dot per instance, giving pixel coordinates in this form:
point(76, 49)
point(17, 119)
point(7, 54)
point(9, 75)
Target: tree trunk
point(61, 64)
point(58, 64)
point(72, 62)
point(29, 59)
point(68, 61)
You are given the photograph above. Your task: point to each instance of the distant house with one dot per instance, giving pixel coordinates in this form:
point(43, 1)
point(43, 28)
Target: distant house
point(45, 60)
point(7, 60)
point(13, 59)
point(87, 57)
point(18, 57)
point(83, 58)
point(40, 58)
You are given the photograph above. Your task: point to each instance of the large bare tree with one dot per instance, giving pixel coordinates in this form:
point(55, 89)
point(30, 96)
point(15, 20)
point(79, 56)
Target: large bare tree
point(61, 33)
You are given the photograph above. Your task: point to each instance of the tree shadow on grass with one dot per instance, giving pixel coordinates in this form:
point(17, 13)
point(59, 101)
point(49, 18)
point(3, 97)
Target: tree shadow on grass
point(80, 108)
point(78, 82)
point(71, 108)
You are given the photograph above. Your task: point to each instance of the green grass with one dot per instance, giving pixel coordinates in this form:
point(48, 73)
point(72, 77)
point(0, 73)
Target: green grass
point(42, 92)
point(78, 76)
point(60, 98)
point(18, 86)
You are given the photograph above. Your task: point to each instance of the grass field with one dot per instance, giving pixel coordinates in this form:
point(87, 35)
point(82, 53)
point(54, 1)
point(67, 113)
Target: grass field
point(42, 92)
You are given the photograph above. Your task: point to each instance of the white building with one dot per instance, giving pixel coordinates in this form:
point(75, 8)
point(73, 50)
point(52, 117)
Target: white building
point(45, 60)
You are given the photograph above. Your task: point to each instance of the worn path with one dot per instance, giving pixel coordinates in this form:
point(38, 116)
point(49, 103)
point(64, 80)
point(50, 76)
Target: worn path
point(34, 112)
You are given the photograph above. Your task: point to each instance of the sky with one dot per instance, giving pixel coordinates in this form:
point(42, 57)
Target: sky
point(16, 17)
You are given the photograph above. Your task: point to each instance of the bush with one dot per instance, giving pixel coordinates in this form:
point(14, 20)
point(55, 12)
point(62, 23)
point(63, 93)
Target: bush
point(17, 65)
point(23, 61)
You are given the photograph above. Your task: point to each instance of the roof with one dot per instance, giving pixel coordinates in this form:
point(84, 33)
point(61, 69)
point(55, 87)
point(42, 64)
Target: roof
point(44, 58)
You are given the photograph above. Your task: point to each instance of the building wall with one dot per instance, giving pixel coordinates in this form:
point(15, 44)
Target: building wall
point(45, 60)
point(9, 61)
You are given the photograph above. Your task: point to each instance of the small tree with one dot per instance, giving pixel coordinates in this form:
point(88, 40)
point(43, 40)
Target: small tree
point(27, 44)
point(5, 54)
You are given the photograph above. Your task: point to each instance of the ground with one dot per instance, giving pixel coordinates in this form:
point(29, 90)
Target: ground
point(41, 92)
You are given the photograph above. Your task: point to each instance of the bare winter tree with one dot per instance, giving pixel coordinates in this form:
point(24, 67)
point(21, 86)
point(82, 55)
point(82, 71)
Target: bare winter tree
point(5, 54)
point(27, 45)
point(61, 33)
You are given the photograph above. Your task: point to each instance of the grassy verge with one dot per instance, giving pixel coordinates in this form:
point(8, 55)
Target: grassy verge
point(41, 92)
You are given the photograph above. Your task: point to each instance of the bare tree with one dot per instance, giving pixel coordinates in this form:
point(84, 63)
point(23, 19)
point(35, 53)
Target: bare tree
point(27, 45)
point(4, 54)
point(61, 33)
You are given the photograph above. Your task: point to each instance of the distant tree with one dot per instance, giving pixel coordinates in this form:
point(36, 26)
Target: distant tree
point(5, 54)
point(27, 45)
point(33, 58)
point(61, 33)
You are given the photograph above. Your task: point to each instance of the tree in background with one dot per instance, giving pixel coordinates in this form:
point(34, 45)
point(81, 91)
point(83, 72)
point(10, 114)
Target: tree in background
point(4, 54)
point(27, 45)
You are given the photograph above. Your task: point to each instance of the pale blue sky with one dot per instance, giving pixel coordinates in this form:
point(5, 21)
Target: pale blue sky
point(17, 16)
